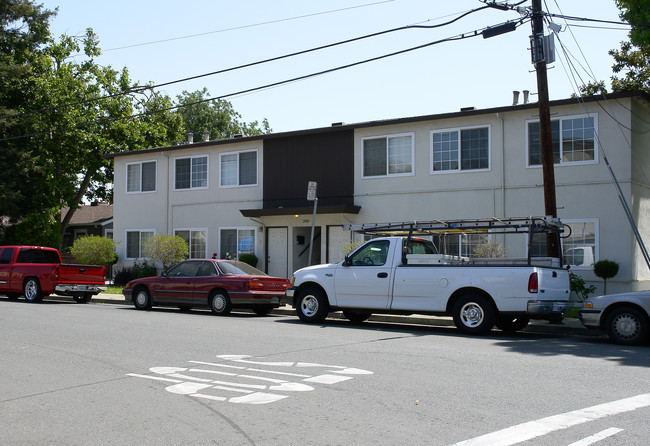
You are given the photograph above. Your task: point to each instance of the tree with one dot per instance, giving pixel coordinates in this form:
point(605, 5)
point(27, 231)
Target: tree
point(166, 249)
point(94, 250)
point(605, 269)
point(632, 62)
point(217, 116)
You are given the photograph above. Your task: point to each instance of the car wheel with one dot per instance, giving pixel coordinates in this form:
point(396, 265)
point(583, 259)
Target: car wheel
point(220, 303)
point(142, 299)
point(512, 324)
point(262, 310)
point(32, 290)
point(312, 305)
point(357, 317)
point(627, 325)
point(474, 314)
point(82, 298)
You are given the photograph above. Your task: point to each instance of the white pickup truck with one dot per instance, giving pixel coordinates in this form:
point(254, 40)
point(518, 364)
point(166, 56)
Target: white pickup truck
point(384, 275)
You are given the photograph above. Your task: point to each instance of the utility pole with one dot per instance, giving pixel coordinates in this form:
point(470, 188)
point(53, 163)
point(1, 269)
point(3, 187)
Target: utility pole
point(539, 58)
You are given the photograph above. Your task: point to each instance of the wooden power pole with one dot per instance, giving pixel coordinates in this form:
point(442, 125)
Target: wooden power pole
point(539, 58)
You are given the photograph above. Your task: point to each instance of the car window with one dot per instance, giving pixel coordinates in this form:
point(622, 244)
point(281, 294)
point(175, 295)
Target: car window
point(35, 255)
point(371, 254)
point(185, 269)
point(239, 268)
point(207, 269)
point(5, 257)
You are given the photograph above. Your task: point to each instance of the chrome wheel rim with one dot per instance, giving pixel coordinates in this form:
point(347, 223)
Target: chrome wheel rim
point(309, 306)
point(219, 303)
point(31, 290)
point(626, 326)
point(141, 298)
point(471, 314)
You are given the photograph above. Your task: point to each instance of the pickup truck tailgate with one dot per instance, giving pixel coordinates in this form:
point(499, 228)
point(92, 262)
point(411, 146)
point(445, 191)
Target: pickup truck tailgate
point(553, 283)
point(86, 274)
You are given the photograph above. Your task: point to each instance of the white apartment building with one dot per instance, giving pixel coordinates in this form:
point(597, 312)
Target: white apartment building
point(249, 194)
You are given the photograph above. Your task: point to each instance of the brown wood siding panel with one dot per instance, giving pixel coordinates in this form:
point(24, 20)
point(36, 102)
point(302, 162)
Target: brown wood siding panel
point(290, 163)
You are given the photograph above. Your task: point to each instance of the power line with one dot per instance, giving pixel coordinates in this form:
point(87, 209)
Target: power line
point(463, 36)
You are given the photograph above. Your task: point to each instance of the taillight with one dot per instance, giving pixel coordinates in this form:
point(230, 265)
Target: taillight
point(56, 273)
point(533, 283)
point(255, 283)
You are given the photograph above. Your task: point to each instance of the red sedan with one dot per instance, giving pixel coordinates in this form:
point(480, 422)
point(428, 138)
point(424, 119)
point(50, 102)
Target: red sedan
point(220, 285)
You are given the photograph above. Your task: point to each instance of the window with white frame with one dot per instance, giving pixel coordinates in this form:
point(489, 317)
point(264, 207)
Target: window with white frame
point(141, 177)
point(573, 140)
point(459, 244)
point(197, 241)
point(387, 155)
point(235, 242)
point(579, 243)
point(239, 168)
point(135, 240)
point(460, 149)
point(191, 172)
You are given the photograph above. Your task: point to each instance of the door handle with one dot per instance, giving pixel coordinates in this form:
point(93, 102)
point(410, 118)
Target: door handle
point(382, 275)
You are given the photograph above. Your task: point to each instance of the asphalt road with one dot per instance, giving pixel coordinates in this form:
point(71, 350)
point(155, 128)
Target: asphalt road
point(109, 374)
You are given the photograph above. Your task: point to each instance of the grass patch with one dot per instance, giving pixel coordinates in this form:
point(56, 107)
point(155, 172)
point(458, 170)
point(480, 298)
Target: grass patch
point(113, 289)
point(573, 312)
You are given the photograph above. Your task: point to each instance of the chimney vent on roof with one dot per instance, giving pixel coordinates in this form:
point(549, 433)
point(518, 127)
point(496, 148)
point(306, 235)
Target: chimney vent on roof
point(206, 135)
point(526, 94)
point(190, 137)
point(515, 97)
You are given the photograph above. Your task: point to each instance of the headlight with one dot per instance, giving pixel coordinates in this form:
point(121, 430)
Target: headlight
point(588, 305)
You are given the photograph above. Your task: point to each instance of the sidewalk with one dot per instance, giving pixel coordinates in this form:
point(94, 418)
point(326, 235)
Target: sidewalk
point(569, 326)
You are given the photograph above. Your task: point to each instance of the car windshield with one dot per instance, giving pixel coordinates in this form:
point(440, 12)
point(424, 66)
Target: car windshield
point(236, 267)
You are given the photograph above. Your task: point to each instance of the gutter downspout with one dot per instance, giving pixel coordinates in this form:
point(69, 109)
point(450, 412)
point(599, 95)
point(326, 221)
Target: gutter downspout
point(503, 166)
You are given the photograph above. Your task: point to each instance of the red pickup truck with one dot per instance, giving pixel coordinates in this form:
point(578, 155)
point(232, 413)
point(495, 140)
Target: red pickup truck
point(35, 272)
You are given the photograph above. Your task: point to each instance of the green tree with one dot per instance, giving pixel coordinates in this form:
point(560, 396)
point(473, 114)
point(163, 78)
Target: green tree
point(605, 269)
point(166, 249)
point(94, 250)
point(217, 116)
point(632, 62)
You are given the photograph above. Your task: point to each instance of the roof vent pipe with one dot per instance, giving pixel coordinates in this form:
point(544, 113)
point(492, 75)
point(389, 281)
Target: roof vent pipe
point(190, 137)
point(515, 97)
point(206, 135)
point(526, 94)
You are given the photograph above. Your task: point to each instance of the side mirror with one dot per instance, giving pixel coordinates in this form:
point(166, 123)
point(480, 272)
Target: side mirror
point(164, 274)
point(346, 261)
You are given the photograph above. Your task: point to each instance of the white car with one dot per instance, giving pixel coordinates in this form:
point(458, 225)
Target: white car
point(625, 317)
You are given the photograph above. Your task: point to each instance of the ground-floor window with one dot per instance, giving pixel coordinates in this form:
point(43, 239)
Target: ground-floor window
point(135, 241)
point(459, 244)
point(197, 241)
point(579, 243)
point(236, 241)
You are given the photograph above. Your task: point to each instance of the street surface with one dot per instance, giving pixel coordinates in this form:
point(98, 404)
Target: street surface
point(77, 374)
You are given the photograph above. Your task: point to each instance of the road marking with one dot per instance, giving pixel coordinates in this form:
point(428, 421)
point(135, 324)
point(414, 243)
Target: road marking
point(597, 437)
point(200, 383)
point(532, 429)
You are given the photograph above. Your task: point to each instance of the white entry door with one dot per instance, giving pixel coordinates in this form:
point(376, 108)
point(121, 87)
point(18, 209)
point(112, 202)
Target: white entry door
point(278, 252)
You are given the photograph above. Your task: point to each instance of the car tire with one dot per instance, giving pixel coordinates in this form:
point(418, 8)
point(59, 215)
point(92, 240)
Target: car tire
point(511, 324)
point(142, 299)
point(357, 317)
point(220, 303)
point(627, 325)
point(82, 298)
point(474, 314)
point(32, 290)
point(312, 305)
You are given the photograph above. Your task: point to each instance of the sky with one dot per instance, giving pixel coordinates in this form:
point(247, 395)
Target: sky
point(162, 41)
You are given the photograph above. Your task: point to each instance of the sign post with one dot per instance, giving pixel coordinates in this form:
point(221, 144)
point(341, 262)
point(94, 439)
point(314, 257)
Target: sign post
point(311, 196)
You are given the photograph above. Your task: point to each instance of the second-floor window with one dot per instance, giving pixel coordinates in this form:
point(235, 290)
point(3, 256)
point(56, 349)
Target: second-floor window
point(141, 177)
point(574, 141)
point(388, 155)
point(191, 173)
point(464, 149)
point(239, 169)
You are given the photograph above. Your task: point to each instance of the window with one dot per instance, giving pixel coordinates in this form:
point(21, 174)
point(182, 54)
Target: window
point(239, 169)
point(372, 254)
point(388, 155)
point(466, 149)
point(185, 269)
point(35, 255)
point(141, 177)
point(574, 141)
point(579, 248)
point(7, 253)
point(235, 242)
point(191, 173)
point(459, 244)
point(196, 241)
point(135, 240)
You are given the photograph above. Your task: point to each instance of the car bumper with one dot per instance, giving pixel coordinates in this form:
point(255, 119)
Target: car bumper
point(70, 289)
point(546, 307)
point(590, 317)
point(289, 296)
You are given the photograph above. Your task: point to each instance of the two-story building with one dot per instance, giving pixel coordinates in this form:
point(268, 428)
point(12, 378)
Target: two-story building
point(249, 194)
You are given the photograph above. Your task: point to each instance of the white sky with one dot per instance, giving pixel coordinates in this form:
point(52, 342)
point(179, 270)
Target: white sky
point(438, 79)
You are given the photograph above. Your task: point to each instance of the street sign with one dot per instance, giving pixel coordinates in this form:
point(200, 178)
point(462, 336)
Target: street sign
point(311, 191)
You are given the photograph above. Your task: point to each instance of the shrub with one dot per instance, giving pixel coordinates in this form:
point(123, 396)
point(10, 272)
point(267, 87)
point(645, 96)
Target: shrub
point(605, 269)
point(251, 259)
point(490, 250)
point(143, 269)
point(122, 277)
point(578, 286)
point(94, 250)
point(166, 249)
